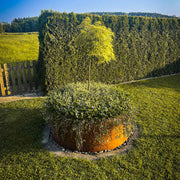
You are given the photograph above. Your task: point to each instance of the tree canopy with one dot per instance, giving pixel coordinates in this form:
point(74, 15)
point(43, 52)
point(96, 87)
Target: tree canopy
point(95, 40)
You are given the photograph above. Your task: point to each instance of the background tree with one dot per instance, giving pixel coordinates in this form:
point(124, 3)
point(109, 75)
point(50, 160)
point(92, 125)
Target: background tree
point(1, 28)
point(6, 26)
point(29, 24)
point(94, 41)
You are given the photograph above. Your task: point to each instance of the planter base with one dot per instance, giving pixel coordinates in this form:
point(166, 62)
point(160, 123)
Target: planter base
point(91, 142)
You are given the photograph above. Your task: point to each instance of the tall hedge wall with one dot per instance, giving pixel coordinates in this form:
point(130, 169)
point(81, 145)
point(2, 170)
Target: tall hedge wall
point(144, 47)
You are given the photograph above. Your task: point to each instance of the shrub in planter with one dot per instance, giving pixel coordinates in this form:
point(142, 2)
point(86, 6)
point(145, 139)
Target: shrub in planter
point(89, 120)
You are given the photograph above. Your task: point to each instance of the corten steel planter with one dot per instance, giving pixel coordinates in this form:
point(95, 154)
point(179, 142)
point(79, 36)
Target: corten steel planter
point(92, 141)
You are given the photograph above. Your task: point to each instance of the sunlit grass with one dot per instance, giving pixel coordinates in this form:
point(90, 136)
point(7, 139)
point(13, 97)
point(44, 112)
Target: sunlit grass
point(16, 47)
point(155, 153)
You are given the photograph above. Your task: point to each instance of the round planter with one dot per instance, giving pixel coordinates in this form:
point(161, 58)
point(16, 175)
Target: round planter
point(93, 140)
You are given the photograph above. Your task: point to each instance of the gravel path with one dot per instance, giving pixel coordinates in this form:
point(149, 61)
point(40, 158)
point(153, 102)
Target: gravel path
point(19, 97)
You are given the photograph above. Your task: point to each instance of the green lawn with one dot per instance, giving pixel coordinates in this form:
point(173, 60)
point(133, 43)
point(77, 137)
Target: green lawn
point(15, 47)
point(155, 154)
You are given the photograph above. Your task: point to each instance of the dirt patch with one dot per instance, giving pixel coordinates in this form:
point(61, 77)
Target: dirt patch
point(51, 146)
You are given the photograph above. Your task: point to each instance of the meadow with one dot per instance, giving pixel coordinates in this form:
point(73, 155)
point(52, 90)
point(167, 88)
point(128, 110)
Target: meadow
point(155, 153)
point(17, 47)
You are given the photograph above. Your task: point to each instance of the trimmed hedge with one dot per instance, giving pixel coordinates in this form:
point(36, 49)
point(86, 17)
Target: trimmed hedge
point(144, 47)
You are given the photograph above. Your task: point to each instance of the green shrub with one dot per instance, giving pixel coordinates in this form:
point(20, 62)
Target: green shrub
point(75, 102)
point(74, 106)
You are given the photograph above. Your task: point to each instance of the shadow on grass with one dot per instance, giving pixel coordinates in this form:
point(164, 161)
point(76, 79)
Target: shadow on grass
point(20, 127)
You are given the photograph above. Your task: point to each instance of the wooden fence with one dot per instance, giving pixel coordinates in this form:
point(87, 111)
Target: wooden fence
point(18, 78)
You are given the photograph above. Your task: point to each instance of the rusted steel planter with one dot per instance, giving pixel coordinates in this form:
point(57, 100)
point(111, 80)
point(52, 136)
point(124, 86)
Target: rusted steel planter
point(93, 141)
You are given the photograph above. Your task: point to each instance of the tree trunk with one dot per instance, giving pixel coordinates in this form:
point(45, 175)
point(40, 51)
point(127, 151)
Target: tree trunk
point(89, 79)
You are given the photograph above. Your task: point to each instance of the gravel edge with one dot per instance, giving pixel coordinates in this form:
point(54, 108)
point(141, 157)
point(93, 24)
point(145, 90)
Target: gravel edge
point(50, 145)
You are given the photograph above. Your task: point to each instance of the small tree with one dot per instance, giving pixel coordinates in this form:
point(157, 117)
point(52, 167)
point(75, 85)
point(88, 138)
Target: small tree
point(95, 41)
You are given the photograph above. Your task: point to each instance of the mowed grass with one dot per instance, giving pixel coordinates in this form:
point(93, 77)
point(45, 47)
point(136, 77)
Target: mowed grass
point(155, 153)
point(16, 47)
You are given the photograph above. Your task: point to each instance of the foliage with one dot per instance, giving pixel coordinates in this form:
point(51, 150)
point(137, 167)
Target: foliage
point(143, 47)
point(73, 101)
point(73, 105)
point(95, 40)
point(16, 47)
point(154, 154)
point(29, 24)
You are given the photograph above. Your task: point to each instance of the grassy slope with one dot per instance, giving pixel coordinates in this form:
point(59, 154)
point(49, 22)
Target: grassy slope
point(155, 154)
point(15, 47)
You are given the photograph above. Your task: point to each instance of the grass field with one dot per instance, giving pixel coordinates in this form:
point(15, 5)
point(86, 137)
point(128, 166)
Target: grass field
point(155, 154)
point(16, 47)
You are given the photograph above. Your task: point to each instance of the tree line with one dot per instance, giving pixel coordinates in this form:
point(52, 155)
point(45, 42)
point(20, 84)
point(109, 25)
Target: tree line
point(155, 15)
point(143, 47)
point(29, 24)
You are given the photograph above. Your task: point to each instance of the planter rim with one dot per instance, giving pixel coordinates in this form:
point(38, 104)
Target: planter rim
point(115, 137)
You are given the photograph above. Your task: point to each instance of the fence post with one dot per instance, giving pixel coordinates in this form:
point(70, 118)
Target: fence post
point(14, 88)
point(24, 76)
point(18, 77)
point(29, 75)
point(35, 80)
point(2, 82)
point(8, 92)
